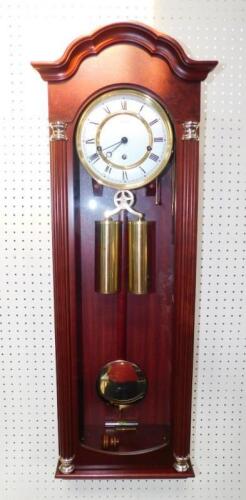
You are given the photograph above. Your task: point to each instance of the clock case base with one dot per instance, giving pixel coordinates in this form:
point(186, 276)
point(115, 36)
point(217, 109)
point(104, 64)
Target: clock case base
point(124, 55)
point(164, 472)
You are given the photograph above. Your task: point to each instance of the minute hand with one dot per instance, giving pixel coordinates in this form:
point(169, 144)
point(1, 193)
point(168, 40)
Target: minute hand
point(112, 145)
point(118, 145)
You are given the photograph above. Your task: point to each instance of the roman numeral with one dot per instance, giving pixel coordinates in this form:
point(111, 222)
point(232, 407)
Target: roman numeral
point(141, 168)
point(107, 110)
point(141, 108)
point(153, 122)
point(153, 157)
point(158, 139)
point(124, 176)
point(124, 104)
point(94, 123)
point(93, 158)
point(108, 170)
point(90, 141)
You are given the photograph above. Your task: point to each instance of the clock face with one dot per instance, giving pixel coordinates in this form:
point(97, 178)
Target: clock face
point(124, 139)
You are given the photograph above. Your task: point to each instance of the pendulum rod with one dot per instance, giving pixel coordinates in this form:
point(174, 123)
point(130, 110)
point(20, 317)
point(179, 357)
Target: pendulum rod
point(122, 295)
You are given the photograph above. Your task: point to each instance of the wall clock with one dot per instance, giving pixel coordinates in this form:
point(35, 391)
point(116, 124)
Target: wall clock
point(124, 139)
point(124, 109)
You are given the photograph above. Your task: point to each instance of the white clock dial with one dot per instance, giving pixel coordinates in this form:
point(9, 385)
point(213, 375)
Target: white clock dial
point(124, 139)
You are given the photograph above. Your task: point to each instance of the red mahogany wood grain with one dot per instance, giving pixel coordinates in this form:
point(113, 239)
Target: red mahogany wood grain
point(142, 36)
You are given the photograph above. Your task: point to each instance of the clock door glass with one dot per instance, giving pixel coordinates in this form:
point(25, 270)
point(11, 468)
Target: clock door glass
point(124, 139)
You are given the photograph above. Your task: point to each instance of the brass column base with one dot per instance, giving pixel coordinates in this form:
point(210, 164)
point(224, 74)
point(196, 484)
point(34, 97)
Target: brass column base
point(181, 464)
point(66, 466)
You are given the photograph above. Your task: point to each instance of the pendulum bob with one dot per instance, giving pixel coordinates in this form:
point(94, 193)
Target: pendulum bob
point(108, 236)
point(138, 257)
point(121, 383)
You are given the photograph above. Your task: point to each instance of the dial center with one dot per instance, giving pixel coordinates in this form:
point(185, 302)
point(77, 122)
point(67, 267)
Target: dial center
point(122, 140)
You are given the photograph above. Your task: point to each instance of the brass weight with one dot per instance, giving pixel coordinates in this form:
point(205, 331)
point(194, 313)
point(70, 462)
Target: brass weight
point(108, 245)
point(107, 256)
point(138, 256)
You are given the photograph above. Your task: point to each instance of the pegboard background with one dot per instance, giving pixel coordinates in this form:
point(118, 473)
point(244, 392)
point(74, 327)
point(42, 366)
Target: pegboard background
point(39, 30)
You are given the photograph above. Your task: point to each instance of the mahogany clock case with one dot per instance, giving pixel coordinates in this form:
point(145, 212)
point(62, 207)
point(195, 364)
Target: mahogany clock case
point(154, 330)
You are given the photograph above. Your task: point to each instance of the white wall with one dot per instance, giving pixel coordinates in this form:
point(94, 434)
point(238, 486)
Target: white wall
point(36, 30)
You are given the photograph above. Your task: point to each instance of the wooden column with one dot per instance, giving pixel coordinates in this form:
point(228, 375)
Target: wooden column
point(60, 225)
point(186, 198)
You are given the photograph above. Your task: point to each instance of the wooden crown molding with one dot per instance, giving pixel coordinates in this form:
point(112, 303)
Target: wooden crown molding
point(155, 43)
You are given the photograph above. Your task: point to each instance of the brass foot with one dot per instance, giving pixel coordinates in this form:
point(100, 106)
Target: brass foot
point(181, 464)
point(66, 466)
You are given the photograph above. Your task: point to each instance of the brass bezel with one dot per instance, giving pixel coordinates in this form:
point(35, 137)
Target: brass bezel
point(145, 99)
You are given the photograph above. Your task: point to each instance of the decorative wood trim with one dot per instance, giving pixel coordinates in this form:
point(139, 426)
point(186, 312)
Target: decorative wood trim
point(60, 224)
point(186, 200)
point(140, 35)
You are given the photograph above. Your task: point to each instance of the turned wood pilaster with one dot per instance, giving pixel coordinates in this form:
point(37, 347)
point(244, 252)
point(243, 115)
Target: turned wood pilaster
point(184, 293)
point(59, 191)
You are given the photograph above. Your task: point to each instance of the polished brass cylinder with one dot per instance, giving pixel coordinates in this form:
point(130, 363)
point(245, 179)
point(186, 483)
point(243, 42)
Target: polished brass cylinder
point(138, 256)
point(107, 256)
